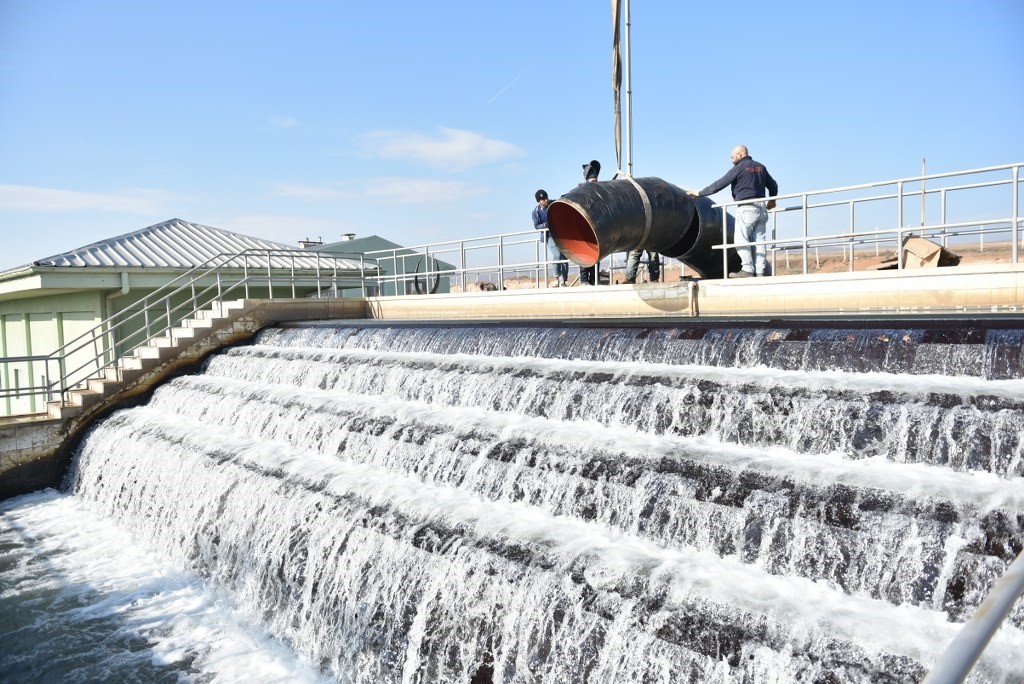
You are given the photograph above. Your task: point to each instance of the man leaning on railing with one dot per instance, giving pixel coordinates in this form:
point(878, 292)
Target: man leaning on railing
point(749, 180)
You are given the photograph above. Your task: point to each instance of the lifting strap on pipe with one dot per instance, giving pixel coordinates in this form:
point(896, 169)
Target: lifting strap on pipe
point(647, 208)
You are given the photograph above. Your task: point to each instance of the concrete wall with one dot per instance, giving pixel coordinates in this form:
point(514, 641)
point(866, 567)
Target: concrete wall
point(28, 456)
point(965, 290)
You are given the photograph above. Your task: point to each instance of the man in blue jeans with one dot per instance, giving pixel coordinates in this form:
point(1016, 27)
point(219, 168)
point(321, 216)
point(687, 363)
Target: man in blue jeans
point(749, 180)
point(559, 266)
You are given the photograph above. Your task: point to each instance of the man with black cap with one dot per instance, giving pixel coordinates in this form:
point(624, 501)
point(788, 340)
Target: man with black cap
point(540, 221)
point(588, 276)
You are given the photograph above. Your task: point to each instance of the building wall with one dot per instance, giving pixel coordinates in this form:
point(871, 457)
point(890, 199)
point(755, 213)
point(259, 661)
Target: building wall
point(38, 326)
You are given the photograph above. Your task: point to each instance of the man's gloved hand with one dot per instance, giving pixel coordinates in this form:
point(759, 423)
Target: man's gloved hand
point(771, 204)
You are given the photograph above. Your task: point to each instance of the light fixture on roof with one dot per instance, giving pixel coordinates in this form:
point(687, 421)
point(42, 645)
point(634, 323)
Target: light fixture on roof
point(307, 243)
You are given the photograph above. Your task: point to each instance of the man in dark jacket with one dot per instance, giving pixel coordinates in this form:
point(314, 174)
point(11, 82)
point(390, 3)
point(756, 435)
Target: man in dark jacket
point(559, 265)
point(589, 275)
point(749, 180)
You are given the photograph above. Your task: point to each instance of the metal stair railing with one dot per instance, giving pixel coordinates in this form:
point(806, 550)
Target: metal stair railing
point(963, 652)
point(155, 314)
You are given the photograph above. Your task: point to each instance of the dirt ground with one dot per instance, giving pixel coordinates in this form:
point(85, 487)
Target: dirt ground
point(785, 264)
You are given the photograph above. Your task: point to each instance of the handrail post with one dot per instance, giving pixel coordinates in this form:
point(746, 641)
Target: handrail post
point(245, 274)
point(803, 214)
point(942, 216)
point(542, 277)
point(1015, 241)
point(270, 278)
point(725, 243)
point(292, 266)
point(462, 253)
point(501, 263)
point(852, 231)
point(318, 289)
point(899, 225)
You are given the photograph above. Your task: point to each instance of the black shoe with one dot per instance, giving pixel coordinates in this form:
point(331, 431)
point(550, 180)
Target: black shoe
point(630, 281)
point(741, 274)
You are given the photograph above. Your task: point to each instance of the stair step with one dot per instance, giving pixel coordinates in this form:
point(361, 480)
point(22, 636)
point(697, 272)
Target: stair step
point(183, 333)
point(104, 385)
point(55, 410)
point(83, 397)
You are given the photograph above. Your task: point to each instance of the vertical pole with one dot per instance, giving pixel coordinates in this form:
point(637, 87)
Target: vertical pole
point(899, 225)
point(942, 216)
point(501, 262)
point(270, 278)
point(1014, 218)
point(725, 243)
point(853, 231)
point(291, 261)
point(924, 172)
point(629, 101)
point(462, 252)
point(803, 218)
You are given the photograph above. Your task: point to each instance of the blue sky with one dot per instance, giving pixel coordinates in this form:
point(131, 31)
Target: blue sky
point(424, 122)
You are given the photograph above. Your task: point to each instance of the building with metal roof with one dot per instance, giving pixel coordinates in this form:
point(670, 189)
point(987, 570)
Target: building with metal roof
point(401, 270)
point(57, 298)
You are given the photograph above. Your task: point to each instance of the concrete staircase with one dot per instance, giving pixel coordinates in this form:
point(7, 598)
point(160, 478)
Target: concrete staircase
point(190, 340)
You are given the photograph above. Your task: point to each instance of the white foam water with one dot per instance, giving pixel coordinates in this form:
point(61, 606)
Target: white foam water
point(82, 600)
point(301, 512)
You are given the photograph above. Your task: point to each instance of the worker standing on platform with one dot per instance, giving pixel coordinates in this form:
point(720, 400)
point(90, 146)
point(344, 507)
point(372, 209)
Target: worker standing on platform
point(540, 221)
point(591, 170)
point(749, 180)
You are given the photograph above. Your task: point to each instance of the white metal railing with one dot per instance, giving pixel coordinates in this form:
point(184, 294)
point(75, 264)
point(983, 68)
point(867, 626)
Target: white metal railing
point(976, 194)
point(492, 259)
point(963, 652)
point(841, 220)
point(267, 272)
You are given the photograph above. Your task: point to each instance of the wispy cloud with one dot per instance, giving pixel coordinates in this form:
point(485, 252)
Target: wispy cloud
point(391, 190)
point(422, 190)
point(54, 200)
point(452, 149)
point(312, 193)
point(283, 122)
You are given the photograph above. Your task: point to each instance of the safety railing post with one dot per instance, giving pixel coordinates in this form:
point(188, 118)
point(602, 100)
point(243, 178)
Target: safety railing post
point(852, 231)
point(804, 230)
point(291, 261)
point(462, 257)
point(942, 216)
point(544, 259)
point(245, 274)
point(318, 288)
point(1015, 214)
point(270, 278)
point(726, 242)
point(899, 225)
point(501, 262)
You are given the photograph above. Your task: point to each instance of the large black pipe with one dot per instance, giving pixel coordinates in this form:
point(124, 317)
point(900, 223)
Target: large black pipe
point(598, 219)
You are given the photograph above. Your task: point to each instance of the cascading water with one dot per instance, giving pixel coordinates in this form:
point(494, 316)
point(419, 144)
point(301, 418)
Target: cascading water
point(535, 504)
